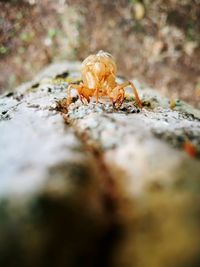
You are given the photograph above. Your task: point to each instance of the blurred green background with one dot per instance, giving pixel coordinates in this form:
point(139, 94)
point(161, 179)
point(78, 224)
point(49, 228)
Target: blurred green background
point(157, 42)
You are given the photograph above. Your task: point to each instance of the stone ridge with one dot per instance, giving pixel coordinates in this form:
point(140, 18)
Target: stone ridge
point(53, 201)
point(91, 185)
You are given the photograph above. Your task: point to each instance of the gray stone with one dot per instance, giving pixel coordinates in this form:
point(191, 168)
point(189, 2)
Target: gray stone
point(52, 210)
point(159, 183)
point(91, 185)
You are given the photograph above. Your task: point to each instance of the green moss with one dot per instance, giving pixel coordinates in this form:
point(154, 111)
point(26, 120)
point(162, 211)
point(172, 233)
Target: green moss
point(27, 36)
point(3, 50)
point(52, 33)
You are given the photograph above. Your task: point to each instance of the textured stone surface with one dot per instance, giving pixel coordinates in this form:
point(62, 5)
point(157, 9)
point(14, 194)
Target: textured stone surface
point(159, 181)
point(131, 142)
point(52, 196)
point(93, 186)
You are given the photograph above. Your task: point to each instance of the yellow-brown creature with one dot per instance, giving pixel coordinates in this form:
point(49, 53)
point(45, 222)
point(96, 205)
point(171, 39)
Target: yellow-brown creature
point(99, 79)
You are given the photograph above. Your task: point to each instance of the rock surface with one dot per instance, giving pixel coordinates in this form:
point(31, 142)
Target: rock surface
point(93, 186)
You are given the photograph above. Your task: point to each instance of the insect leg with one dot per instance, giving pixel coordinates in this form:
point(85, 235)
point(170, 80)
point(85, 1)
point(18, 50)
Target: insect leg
point(96, 93)
point(69, 89)
point(137, 98)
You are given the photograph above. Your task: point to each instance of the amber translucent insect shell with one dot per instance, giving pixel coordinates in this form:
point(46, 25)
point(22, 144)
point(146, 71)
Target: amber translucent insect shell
point(99, 79)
